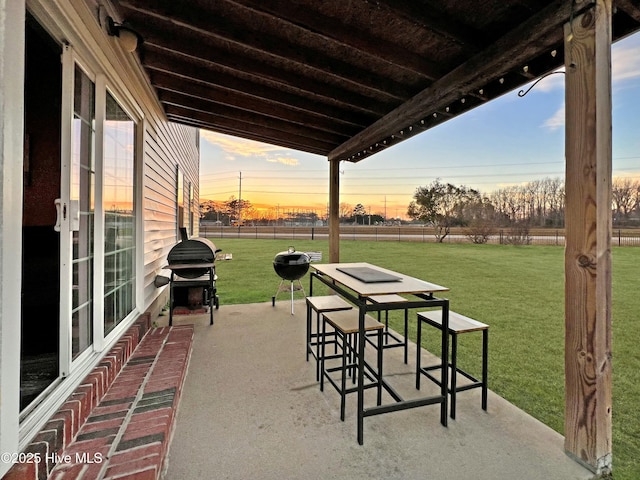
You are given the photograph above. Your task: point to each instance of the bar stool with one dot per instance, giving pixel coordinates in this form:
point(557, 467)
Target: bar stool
point(321, 304)
point(346, 325)
point(396, 341)
point(457, 324)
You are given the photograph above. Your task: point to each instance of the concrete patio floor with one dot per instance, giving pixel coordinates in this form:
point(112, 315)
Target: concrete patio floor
point(251, 409)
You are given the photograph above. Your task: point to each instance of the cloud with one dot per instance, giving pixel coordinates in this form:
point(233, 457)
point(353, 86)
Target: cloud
point(284, 160)
point(234, 146)
point(625, 63)
point(556, 121)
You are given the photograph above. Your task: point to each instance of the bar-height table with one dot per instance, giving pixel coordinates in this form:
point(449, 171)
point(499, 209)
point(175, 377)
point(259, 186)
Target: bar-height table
point(358, 281)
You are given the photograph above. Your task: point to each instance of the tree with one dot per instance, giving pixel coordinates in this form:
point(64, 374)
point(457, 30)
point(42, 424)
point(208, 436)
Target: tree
point(624, 198)
point(213, 211)
point(359, 211)
point(480, 217)
point(345, 210)
point(538, 202)
point(237, 209)
point(441, 205)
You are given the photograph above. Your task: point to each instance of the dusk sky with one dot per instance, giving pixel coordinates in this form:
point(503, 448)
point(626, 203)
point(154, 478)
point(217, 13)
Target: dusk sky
point(508, 141)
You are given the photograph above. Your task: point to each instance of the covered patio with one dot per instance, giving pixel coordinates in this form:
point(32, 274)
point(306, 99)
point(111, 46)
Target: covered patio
point(346, 80)
point(251, 408)
point(342, 80)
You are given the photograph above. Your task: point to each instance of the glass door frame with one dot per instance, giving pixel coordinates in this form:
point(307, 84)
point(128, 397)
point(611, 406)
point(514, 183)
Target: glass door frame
point(105, 79)
point(71, 60)
point(65, 213)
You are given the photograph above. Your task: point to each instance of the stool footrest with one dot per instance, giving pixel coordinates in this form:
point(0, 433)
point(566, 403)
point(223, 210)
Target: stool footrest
point(459, 388)
point(399, 342)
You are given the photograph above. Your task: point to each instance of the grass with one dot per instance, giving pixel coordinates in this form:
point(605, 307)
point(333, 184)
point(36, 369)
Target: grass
point(518, 291)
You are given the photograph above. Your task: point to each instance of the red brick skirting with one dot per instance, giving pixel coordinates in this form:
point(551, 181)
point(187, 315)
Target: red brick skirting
point(118, 422)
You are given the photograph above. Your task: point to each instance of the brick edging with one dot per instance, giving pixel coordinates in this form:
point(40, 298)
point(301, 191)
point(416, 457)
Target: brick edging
point(128, 434)
point(63, 427)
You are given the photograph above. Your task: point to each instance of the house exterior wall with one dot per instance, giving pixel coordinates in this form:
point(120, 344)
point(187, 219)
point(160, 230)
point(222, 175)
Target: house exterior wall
point(163, 148)
point(164, 143)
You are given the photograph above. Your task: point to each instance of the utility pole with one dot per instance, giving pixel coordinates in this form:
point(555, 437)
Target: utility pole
point(385, 209)
point(240, 200)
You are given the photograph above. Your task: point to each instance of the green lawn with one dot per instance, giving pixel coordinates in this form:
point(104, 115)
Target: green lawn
point(517, 290)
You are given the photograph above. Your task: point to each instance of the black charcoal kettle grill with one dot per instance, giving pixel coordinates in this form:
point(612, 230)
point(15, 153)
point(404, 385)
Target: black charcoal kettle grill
point(290, 266)
point(193, 274)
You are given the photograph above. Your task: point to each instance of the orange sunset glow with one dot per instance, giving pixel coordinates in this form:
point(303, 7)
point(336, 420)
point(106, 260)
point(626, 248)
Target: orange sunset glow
point(277, 181)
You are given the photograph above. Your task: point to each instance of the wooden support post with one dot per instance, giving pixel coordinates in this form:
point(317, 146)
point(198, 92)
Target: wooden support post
point(334, 211)
point(588, 380)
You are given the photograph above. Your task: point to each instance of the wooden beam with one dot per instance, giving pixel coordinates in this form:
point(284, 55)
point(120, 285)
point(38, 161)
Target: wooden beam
point(159, 59)
point(543, 30)
point(260, 119)
point(335, 30)
point(334, 211)
point(216, 20)
point(342, 119)
point(630, 7)
point(588, 380)
point(429, 16)
point(261, 131)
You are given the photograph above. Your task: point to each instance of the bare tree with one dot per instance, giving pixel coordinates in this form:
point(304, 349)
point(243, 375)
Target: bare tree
point(508, 201)
point(538, 202)
point(553, 214)
point(624, 197)
point(345, 210)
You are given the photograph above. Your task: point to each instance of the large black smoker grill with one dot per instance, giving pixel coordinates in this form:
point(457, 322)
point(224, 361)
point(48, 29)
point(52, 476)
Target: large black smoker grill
point(193, 274)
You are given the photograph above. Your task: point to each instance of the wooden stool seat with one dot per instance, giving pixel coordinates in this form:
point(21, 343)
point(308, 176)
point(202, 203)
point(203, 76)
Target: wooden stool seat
point(457, 324)
point(346, 327)
point(347, 322)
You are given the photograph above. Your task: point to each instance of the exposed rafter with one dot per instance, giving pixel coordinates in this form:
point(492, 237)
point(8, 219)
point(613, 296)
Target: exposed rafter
point(345, 79)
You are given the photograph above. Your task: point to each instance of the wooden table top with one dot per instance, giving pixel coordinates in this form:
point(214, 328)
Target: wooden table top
point(403, 285)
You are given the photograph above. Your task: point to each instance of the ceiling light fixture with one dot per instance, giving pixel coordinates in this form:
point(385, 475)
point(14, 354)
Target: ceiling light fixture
point(127, 36)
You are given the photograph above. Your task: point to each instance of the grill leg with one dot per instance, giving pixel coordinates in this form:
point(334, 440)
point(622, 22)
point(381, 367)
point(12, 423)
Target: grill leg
point(291, 288)
point(273, 299)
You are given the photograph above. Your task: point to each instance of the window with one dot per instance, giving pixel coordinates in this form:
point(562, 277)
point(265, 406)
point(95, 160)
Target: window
point(82, 177)
point(119, 207)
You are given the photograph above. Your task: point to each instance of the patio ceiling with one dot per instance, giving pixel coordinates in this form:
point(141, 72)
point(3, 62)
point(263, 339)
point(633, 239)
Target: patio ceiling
point(345, 79)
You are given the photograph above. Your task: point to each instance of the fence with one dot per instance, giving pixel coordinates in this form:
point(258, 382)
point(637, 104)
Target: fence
point(404, 233)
